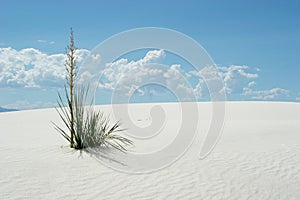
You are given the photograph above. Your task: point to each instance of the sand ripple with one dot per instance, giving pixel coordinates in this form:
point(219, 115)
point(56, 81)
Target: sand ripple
point(43, 173)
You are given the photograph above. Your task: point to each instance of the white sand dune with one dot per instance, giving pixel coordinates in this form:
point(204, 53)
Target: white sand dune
point(257, 157)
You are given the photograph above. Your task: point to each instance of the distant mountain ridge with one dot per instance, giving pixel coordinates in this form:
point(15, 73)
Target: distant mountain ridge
point(7, 109)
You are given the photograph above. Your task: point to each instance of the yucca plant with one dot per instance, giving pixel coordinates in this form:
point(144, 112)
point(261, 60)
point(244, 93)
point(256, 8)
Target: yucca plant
point(92, 129)
point(85, 127)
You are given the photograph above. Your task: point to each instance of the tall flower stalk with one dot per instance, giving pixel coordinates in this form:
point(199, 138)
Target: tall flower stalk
point(72, 71)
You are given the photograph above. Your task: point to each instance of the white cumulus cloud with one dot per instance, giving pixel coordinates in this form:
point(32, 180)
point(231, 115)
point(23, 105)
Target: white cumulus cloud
point(32, 68)
point(235, 77)
point(271, 94)
point(45, 41)
point(251, 84)
point(127, 77)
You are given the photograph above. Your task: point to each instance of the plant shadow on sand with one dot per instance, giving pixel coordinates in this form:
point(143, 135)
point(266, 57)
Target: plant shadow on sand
point(104, 155)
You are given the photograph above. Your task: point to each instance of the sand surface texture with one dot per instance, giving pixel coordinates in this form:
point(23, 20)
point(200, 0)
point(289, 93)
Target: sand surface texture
point(257, 157)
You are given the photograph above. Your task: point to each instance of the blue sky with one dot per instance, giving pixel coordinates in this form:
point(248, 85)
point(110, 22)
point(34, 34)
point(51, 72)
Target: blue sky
point(261, 35)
